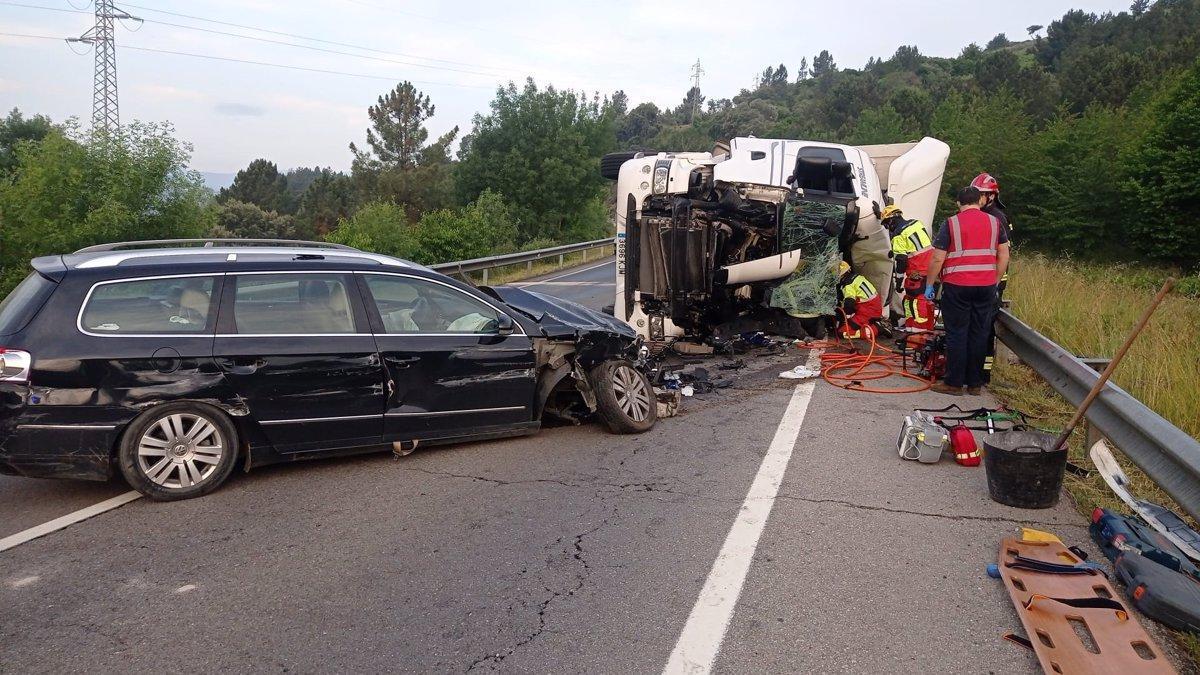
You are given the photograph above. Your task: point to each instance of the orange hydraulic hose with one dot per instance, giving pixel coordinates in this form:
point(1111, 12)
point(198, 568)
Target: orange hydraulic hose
point(849, 369)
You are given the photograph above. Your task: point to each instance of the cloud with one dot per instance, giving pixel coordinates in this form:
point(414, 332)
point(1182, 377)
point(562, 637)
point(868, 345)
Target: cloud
point(239, 110)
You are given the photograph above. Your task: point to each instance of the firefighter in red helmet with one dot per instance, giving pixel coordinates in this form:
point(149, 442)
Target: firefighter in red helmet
point(989, 187)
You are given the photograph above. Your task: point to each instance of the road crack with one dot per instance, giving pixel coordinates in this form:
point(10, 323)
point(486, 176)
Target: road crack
point(926, 514)
point(640, 487)
point(581, 577)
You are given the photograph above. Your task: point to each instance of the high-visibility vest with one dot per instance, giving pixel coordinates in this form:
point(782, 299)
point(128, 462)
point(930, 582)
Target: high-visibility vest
point(974, 240)
point(914, 243)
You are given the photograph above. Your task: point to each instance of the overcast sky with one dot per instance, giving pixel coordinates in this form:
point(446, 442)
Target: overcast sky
point(235, 112)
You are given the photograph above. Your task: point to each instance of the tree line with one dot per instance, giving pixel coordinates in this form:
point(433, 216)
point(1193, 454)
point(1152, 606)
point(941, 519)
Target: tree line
point(1092, 126)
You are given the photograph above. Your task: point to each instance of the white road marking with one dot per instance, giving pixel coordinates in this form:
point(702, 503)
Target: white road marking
point(700, 642)
point(186, 588)
point(571, 273)
point(23, 582)
point(69, 519)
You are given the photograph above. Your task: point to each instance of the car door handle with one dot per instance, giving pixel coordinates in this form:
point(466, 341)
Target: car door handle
point(239, 365)
point(401, 363)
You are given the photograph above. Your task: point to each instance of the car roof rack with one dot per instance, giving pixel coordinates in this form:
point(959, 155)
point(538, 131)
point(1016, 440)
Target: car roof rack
point(210, 243)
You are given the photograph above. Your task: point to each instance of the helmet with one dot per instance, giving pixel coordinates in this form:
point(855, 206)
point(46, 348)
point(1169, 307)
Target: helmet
point(889, 211)
point(985, 183)
point(843, 267)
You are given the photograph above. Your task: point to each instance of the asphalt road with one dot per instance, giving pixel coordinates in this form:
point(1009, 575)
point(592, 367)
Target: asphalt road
point(571, 551)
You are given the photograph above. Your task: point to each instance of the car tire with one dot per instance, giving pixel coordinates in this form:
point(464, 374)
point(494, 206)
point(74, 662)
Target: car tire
point(197, 441)
point(610, 164)
point(625, 400)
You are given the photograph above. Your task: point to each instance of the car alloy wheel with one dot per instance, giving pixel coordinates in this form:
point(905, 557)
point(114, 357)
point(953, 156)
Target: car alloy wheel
point(181, 450)
point(631, 392)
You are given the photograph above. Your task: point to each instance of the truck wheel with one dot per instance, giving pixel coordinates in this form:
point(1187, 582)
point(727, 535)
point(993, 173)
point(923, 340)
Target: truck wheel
point(814, 326)
point(610, 164)
point(178, 451)
point(625, 400)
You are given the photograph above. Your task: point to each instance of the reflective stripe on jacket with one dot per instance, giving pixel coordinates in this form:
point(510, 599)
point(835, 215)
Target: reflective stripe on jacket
point(971, 259)
point(918, 313)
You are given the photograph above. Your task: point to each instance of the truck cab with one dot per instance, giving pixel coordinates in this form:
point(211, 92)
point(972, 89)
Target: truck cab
point(746, 236)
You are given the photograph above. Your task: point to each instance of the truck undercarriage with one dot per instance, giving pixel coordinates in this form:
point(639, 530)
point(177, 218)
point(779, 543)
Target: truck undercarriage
point(704, 257)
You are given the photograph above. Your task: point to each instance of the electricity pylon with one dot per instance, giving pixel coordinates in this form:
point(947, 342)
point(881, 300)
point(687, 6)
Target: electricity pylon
point(106, 115)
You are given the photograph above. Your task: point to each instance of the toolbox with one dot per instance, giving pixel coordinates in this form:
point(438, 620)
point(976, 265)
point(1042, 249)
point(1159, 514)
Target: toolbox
point(1160, 593)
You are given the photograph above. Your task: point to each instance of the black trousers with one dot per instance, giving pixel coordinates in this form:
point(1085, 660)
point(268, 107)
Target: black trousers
point(967, 313)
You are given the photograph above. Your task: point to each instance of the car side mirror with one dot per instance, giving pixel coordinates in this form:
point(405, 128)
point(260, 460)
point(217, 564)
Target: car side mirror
point(504, 325)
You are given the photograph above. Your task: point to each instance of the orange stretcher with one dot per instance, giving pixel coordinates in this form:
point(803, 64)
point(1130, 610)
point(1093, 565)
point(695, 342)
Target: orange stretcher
point(1072, 615)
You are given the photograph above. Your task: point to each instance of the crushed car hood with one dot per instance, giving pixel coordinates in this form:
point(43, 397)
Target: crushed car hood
point(559, 318)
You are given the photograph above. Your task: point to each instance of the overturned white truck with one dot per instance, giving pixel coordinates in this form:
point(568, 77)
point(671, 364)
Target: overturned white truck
point(746, 237)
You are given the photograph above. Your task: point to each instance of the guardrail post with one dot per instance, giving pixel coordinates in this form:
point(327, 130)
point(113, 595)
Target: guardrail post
point(1090, 433)
point(485, 271)
point(529, 267)
point(560, 261)
point(585, 255)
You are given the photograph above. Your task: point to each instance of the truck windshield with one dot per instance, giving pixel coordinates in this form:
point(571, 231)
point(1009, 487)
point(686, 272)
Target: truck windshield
point(23, 302)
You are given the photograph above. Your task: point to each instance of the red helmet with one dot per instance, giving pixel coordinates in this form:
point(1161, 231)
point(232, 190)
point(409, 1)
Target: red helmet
point(985, 183)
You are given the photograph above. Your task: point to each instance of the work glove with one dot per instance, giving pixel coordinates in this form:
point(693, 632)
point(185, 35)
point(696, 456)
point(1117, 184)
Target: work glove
point(849, 306)
point(929, 292)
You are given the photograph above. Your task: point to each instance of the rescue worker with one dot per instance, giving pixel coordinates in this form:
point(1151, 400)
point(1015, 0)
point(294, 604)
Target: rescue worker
point(971, 254)
point(912, 249)
point(861, 304)
point(990, 188)
point(911, 245)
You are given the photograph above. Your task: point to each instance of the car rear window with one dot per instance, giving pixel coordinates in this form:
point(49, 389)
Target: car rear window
point(19, 307)
point(150, 306)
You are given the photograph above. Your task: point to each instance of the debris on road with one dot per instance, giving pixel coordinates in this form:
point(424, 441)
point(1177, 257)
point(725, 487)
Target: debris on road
point(801, 372)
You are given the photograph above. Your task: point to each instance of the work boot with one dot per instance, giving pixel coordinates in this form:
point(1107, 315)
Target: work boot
point(943, 388)
point(974, 391)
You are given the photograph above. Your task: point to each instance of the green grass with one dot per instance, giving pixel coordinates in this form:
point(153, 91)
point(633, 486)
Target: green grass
point(1089, 309)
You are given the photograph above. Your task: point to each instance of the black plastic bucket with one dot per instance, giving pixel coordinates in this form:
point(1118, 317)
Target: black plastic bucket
point(1024, 469)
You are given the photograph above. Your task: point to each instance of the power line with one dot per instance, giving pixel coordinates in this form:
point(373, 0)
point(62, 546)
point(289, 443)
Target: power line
point(265, 63)
point(485, 29)
point(317, 39)
point(270, 41)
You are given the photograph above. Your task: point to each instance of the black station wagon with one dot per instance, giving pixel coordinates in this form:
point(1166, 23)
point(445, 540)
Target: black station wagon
point(172, 361)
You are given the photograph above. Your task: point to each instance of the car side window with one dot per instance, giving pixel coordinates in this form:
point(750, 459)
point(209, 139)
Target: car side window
point(291, 304)
point(410, 305)
point(150, 306)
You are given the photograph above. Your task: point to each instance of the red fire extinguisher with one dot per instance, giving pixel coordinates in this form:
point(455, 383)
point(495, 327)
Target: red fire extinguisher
point(962, 442)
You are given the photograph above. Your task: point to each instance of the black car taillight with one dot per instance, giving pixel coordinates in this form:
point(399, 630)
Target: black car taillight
point(14, 365)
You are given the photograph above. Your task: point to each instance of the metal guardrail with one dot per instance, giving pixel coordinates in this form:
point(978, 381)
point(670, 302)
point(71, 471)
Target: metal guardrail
point(529, 257)
point(1169, 456)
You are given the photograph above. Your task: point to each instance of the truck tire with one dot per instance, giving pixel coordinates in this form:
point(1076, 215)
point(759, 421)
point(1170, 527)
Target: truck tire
point(610, 164)
point(625, 400)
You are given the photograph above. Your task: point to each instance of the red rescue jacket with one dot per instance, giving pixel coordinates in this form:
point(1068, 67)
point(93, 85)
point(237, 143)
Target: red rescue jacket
point(971, 258)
